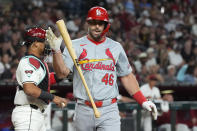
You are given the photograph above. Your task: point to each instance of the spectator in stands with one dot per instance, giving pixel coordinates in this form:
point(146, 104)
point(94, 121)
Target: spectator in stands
point(143, 75)
point(183, 117)
point(73, 25)
point(186, 51)
point(131, 49)
point(142, 58)
point(170, 77)
point(151, 58)
point(175, 57)
point(162, 54)
point(194, 26)
point(144, 33)
point(163, 121)
point(7, 48)
point(188, 72)
point(9, 75)
point(6, 61)
point(141, 68)
point(149, 89)
point(144, 4)
point(155, 69)
point(151, 92)
point(194, 50)
point(45, 20)
point(129, 7)
point(194, 119)
point(21, 52)
point(2, 68)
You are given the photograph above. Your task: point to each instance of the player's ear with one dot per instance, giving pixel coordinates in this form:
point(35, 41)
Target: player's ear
point(35, 44)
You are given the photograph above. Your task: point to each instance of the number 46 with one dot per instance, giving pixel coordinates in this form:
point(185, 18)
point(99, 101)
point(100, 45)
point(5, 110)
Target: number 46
point(108, 79)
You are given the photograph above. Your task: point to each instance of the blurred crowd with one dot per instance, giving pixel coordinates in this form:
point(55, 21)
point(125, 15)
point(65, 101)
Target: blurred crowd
point(159, 37)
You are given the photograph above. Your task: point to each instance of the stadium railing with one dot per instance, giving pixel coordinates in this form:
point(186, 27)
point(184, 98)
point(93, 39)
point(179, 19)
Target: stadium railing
point(177, 105)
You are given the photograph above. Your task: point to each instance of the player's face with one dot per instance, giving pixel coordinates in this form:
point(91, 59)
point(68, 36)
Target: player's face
point(153, 82)
point(41, 48)
point(96, 28)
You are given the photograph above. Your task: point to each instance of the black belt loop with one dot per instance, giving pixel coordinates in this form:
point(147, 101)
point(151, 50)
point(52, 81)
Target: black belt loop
point(20, 87)
point(36, 108)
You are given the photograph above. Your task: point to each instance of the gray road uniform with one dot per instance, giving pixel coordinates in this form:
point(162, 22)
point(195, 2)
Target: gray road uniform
point(101, 79)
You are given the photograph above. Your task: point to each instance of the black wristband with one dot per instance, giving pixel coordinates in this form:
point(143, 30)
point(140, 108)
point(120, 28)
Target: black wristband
point(57, 79)
point(46, 96)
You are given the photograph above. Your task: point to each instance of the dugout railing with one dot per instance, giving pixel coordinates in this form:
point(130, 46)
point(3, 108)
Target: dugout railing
point(177, 105)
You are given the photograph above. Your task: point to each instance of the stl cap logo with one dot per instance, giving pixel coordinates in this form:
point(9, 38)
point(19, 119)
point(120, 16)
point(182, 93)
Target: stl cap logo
point(98, 12)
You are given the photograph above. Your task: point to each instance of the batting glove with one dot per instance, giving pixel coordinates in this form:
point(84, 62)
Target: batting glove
point(54, 42)
point(150, 106)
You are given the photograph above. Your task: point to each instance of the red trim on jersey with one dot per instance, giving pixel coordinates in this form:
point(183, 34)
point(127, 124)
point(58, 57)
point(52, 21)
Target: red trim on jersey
point(34, 62)
point(96, 42)
point(52, 78)
point(139, 97)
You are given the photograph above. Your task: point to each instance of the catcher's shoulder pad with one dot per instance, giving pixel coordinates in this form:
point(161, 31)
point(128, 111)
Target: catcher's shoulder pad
point(34, 62)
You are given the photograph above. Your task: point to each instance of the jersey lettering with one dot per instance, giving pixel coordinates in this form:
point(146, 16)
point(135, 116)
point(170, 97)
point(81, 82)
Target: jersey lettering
point(105, 79)
point(99, 66)
point(108, 79)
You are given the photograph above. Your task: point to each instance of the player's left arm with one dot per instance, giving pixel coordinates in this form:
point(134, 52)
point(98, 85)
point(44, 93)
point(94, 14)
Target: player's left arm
point(131, 85)
point(127, 80)
point(124, 71)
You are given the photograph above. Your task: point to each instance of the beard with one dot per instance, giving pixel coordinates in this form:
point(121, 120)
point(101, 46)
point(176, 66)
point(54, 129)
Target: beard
point(95, 37)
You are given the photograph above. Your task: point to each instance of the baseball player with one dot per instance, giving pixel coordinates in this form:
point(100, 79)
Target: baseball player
point(102, 60)
point(151, 92)
point(34, 80)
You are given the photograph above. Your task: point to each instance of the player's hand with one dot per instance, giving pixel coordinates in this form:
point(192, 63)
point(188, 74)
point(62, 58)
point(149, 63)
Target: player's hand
point(54, 42)
point(60, 102)
point(150, 106)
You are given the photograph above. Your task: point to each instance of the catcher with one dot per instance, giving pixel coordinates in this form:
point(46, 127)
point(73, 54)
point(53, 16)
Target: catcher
point(34, 80)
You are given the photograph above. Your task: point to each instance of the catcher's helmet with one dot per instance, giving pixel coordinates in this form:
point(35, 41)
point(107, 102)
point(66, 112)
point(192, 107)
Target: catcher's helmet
point(34, 34)
point(99, 13)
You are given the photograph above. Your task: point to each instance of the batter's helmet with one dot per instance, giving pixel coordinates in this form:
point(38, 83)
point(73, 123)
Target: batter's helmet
point(34, 34)
point(99, 13)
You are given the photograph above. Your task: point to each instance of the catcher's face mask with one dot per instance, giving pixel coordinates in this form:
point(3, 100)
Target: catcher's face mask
point(47, 50)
